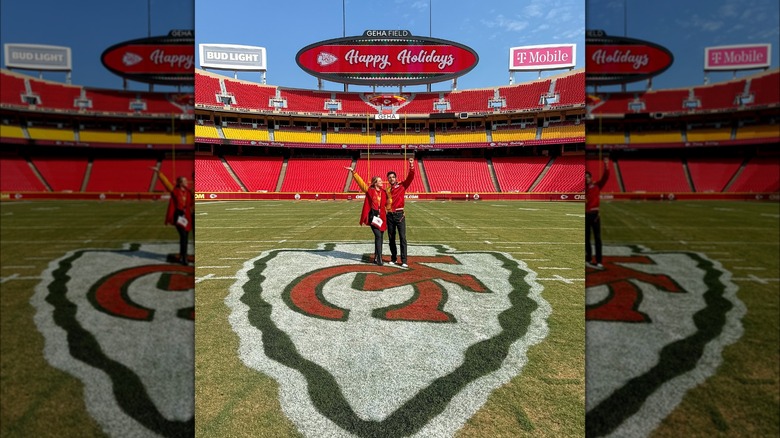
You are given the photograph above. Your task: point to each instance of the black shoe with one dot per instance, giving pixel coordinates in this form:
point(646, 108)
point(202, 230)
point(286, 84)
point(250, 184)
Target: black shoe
point(378, 262)
point(183, 261)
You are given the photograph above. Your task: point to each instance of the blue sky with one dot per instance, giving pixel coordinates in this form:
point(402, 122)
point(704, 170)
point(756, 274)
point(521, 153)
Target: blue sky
point(490, 27)
point(89, 27)
point(686, 28)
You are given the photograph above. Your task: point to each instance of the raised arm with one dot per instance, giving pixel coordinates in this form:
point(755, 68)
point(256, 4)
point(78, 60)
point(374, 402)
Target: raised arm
point(362, 184)
point(165, 182)
point(409, 175)
point(604, 175)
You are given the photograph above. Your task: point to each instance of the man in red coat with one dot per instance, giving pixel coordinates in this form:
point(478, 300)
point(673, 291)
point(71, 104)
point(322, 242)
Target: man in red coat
point(396, 217)
point(377, 201)
point(179, 212)
point(592, 219)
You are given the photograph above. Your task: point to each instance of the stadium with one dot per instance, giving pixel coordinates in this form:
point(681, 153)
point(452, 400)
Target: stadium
point(680, 338)
point(83, 228)
point(703, 142)
point(496, 199)
point(65, 141)
point(256, 141)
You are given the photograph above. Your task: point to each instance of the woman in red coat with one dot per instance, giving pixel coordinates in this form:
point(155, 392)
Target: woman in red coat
point(179, 212)
point(592, 219)
point(374, 213)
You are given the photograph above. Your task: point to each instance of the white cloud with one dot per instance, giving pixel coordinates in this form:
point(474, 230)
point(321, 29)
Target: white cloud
point(422, 5)
point(700, 23)
point(508, 24)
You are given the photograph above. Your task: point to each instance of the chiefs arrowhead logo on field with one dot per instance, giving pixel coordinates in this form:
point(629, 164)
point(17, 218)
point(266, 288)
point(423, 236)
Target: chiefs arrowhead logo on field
point(122, 322)
point(366, 350)
point(656, 325)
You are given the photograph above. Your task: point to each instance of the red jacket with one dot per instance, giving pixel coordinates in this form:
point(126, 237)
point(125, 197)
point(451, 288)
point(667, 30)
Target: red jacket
point(384, 202)
point(181, 199)
point(593, 192)
point(398, 191)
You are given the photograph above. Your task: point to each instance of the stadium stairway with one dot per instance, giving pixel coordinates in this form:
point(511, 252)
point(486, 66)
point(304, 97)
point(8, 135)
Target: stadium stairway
point(157, 168)
point(282, 173)
point(736, 175)
point(423, 176)
point(38, 175)
point(233, 174)
point(348, 183)
point(619, 176)
point(493, 177)
point(541, 174)
point(687, 173)
point(87, 174)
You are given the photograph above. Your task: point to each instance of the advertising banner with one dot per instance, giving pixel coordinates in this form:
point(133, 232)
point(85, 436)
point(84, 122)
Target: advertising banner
point(161, 60)
point(386, 60)
point(232, 57)
point(737, 57)
point(543, 57)
point(37, 57)
point(618, 60)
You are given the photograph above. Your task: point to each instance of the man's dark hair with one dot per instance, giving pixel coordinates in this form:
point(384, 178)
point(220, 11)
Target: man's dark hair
point(587, 172)
point(392, 172)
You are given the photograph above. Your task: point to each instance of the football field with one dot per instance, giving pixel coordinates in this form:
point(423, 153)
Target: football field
point(512, 367)
point(65, 365)
point(716, 370)
point(383, 351)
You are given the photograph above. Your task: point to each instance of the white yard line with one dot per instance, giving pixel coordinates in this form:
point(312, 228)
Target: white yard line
point(18, 277)
point(10, 277)
point(755, 279)
point(212, 277)
point(206, 277)
point(559, 278)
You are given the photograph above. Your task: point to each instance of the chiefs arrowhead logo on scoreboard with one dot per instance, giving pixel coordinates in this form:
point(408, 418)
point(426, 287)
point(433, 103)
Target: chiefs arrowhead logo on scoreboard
point(378, 350)
point(657, 323)
point(122, 322)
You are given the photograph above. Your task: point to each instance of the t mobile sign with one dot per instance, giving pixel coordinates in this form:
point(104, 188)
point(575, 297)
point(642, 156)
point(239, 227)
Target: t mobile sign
point(737, 57)
point(543, 57)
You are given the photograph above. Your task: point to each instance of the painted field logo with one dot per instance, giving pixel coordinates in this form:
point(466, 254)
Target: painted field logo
point(365, 350)
point(122, 322)
point(657, 323)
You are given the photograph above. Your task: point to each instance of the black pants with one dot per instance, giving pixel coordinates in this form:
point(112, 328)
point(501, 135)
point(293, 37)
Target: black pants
point(396, 221)
point(377, 245)
point(592, 221)
point(183, 238)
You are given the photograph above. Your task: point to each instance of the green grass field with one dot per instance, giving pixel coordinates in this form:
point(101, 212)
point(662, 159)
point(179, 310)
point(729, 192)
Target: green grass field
point(545, 399)
point(743, 397)
point(38, 399)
